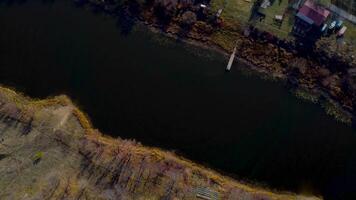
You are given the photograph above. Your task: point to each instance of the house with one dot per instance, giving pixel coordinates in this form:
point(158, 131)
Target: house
point(309, 20)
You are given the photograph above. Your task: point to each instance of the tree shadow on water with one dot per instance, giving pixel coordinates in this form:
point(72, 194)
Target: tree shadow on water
point(127, 15)
point(163, 17)
point(125, 22)
point(182, 34)
point(47, 1)
point(80, 3)
point(12, 2)
point(20, 2)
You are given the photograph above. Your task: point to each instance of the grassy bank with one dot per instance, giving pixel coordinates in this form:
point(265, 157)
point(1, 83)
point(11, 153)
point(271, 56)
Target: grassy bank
point(78, 161)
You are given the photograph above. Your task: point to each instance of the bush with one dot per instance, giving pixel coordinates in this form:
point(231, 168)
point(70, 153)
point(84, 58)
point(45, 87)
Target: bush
point(37, 158)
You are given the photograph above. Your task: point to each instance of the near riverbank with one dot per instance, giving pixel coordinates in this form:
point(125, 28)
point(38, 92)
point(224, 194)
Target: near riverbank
point(49, 150)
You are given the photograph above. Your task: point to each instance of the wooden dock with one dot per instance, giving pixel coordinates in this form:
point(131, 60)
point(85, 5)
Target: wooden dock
point(232, 58)
point(206, 194)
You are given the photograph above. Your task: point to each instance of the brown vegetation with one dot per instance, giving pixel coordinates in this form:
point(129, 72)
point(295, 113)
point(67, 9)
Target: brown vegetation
point(65, 159)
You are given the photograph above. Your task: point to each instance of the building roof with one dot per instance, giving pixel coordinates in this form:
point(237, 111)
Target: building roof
point(315, 13)
point(305, 18)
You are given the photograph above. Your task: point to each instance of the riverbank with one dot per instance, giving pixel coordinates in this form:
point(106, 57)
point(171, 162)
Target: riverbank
point(50, 150)
point(314, 95)
point(325, 79)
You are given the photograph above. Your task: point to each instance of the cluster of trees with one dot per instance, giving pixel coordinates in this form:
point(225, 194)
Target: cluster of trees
point(125, 174)
point(133, 175)
point(186, 12)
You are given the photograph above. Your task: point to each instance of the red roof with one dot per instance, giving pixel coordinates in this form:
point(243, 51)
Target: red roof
point(316, 13)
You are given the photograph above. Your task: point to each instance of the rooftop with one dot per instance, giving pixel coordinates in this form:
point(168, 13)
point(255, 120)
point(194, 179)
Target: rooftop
point(317, 14)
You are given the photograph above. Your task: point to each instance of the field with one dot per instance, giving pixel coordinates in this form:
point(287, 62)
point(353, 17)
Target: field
point(240, 11)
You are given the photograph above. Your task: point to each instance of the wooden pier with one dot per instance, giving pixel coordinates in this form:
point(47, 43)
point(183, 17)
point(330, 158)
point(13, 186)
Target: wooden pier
point(206, 193)
point(232, 58)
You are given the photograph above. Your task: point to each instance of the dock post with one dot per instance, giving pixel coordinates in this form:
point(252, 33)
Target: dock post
point(232, 58)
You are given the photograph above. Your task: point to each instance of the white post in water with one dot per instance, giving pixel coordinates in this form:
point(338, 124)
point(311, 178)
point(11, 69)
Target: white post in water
point(232, 58)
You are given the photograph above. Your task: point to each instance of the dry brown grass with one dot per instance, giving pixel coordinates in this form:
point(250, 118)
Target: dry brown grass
point(155, 155)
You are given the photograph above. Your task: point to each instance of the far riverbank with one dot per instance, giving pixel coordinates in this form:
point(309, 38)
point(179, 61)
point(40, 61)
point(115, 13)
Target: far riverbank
point(311, 75)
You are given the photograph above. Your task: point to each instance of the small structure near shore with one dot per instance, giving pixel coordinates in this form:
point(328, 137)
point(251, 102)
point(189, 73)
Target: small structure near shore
point(309, 20)
point(231, 60)
point(206, 193)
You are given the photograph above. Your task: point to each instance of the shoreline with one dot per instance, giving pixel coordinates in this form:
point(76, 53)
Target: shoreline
point(316, 96)
point(206, 47)
point(29, 112)
point(258, 54)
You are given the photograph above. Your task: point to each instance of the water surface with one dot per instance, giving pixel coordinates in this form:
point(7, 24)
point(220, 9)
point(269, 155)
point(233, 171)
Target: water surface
point(164, 93)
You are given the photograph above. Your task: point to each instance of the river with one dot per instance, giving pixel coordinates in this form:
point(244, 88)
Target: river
point(164, 93)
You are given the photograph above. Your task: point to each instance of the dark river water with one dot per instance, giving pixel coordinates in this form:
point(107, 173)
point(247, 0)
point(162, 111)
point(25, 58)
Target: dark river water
point(164, 93)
